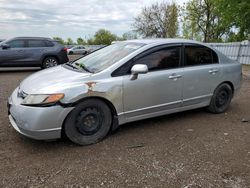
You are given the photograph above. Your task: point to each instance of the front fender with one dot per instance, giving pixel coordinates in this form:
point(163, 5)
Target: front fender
point(110, 89)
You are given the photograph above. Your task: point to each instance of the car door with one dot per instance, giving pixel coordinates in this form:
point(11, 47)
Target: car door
point(14, 55)
point(77, 50)
point(201, 75)
point(36, 49)
point(157, 92)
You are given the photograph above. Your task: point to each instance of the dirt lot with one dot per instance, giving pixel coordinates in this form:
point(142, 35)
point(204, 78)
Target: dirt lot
point(189, 149)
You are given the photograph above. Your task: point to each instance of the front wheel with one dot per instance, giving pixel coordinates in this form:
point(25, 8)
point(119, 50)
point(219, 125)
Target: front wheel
point(89, 122)
point(221, 99)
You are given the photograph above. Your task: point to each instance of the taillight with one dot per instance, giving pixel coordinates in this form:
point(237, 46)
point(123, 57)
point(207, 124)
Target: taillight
point(65, 49)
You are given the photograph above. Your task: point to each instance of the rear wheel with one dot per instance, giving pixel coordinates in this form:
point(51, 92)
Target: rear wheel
point(221, 99)
point(49, 62)
point(89, 122)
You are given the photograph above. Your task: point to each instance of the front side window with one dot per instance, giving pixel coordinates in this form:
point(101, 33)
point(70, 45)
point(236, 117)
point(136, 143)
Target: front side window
point(105, 57)
point(166, 58)
point(163, 59)
point(199, 55)
point(16, 43)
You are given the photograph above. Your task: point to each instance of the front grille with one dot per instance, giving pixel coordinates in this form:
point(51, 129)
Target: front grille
point(21, 94)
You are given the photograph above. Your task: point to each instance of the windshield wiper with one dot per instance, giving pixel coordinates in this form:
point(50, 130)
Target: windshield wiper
point(71, 65)
point(82, 66)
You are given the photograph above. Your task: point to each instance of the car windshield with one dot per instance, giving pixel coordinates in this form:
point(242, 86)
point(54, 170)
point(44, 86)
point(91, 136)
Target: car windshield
point(105, 57)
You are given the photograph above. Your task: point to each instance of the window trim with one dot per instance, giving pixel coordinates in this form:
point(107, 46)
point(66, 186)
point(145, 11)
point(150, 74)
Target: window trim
point(115, 73)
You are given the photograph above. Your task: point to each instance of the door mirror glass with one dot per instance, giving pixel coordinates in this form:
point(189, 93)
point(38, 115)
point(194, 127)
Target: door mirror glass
point(138, 69)
point(5, 46)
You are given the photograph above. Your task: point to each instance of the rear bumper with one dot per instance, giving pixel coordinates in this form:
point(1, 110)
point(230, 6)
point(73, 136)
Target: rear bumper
point(63, 57)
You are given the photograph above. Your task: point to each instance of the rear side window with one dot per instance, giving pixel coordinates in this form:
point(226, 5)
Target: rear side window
point(49, 44)
point(215, 57)
point(36, 43)
point(199, 55)
point(163, 59)
point(16, 43)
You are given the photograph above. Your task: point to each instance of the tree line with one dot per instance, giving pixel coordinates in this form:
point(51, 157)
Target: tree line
point(102, 36)
point(202, 20)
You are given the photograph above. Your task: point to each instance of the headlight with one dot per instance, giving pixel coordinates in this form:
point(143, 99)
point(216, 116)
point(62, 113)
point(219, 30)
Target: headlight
point(42, 100)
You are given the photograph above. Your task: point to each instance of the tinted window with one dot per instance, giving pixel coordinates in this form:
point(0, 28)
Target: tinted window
point(215, 57)
point(16, 43)
point(198, 55)
point(163, 59)
point(49, 44)
point(36, 43)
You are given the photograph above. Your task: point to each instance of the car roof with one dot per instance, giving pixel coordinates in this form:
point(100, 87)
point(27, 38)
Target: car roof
point(43, 38)
point(164, 41)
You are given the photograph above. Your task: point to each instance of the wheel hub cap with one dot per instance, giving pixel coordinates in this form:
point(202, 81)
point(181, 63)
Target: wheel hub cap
point(51, 63)
point(89, 121)
point(222, 98)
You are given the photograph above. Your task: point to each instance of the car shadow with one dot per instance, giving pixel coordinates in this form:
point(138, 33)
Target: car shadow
point(159, 121)
point(155, 122)
point(19, 69)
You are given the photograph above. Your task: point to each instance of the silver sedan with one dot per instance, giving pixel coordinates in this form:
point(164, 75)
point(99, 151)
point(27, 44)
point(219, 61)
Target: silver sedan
point(124, 82)
point(77, 50)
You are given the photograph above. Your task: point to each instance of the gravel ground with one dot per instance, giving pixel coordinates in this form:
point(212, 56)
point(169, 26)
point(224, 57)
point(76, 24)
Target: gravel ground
point(188, 149)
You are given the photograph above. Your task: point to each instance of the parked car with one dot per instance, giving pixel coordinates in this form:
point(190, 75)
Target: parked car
point(32, 52)
point(123, 82)
point(78, 50)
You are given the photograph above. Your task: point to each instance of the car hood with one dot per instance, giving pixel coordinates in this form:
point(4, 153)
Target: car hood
point(53, 80)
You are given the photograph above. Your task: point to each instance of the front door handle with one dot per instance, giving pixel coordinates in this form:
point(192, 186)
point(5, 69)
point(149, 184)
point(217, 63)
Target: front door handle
point(174, 76)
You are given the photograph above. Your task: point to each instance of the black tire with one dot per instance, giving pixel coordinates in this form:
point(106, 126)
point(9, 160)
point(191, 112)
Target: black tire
point(221, 99)
point(89, 122)
point(49, 62)
point(71, 53)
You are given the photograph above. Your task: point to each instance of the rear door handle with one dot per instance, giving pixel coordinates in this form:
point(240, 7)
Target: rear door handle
point(174, 76)
point(213, 71)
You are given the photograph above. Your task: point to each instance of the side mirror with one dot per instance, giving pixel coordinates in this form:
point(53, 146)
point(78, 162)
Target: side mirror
point(5, 46)
point(138, 69)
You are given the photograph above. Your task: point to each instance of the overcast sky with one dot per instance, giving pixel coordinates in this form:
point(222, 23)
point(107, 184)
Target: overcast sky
point(68, 18)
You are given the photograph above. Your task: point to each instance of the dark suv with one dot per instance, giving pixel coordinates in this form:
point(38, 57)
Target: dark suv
point(32, 52)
